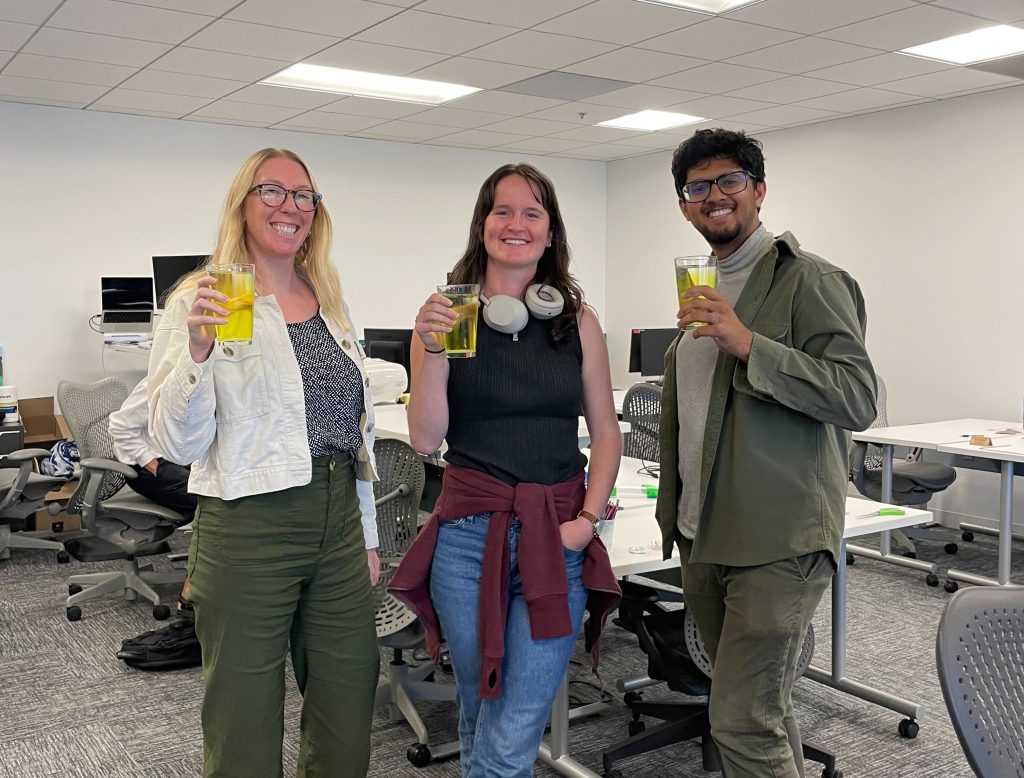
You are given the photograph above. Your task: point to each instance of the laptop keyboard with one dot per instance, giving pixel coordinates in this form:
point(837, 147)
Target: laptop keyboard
point(127, 317)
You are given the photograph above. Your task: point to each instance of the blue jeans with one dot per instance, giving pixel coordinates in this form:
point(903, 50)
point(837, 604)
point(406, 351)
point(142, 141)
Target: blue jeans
point(499, 738)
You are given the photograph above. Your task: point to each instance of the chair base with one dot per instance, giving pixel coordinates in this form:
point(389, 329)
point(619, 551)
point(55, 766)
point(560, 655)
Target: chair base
point(131, 580)
point(399, 692)
point(9, 540)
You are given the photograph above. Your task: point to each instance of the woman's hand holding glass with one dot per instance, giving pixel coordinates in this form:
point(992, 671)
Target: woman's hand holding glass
point(435, 317)
point(205, 313)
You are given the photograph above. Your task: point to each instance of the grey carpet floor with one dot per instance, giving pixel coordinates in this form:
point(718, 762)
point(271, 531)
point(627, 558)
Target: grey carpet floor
point(69, 708)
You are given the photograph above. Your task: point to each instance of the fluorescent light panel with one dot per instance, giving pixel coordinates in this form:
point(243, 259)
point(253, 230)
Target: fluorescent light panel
point(319, 78)
point(704, 6)
point(649, 121)
point(971, 47)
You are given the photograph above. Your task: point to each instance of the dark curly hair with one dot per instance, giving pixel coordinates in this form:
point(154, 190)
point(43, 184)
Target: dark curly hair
point(704, 145)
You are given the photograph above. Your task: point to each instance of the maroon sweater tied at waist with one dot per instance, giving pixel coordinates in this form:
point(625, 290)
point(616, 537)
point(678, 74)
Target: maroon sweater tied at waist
point(540, 509)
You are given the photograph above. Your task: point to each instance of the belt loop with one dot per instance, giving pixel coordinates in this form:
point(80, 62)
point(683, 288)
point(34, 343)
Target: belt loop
point(330, 465)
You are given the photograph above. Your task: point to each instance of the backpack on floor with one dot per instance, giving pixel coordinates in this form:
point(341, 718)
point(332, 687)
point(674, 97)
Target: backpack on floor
point(169, 648)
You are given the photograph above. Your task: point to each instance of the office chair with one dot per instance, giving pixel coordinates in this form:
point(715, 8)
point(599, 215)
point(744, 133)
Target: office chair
point(979, 652)
point(668, 635)
point(121, 524)
point(913, 482)
point(22, 493)
point(641, 407)
point(398, 493)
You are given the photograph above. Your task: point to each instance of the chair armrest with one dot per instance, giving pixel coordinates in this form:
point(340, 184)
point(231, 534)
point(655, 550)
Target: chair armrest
point(27, 454)
point(25, 458)
point(400, 491)
point(96, 463)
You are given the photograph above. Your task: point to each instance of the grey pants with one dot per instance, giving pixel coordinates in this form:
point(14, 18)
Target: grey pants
point(276, 569)
point(753, 621)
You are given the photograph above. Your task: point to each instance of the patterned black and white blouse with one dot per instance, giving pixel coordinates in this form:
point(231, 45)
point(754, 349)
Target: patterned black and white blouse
point(332, 387)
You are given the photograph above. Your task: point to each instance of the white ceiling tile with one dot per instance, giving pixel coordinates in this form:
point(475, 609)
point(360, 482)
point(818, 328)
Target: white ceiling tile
point(5, 57)
point(816, 15)
point(526, 125)
point(948, 82)
point(367, 106)
point(570, 112)
point(875, 70)
point(265, 94)
point(459, 143)
point(717, 106)
point(656, 140)
point(127, 20)
point(401, 3)
point(476, 72)
point(74, 71)
point(456, 117)
point(182, 84)
point(415, 30)
point(95, 48)
point(375, 58)
point(217, 64)
point(909, 27)
point(782, 115)
point(220, 120)
point(541, 49)
point(621, 21)
point(594, 134)
point(542, 145)
point(417, 130)
point(506, 103)
point(644, 96)
point(250, 112)
point(803, 54)
point(607, 151)
point(331, 121)
point(632, 64)
point(374, 135)
point(860, 99)
point(13, 35)
point(151, 101)
point(718, 39)
point(789, 89)
point(481, 138)
point(716, 77)
point(728, 124)
point(135, 111)
point(258, 40)
point(206, 7)
point(40, 89)
point(325, 17)
point(27, 11)
point(1003, 11)
point(521, 13)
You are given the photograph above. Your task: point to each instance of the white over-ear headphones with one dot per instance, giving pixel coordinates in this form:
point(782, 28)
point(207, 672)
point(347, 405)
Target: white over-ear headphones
point(509, 315)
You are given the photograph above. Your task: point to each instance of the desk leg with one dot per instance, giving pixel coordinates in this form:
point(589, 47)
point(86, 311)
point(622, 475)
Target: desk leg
point(556, 754)
point(884, 553)
point(837, 678)
point(1005, 534)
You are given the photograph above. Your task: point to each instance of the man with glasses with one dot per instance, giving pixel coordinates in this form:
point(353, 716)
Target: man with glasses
point(756, 411)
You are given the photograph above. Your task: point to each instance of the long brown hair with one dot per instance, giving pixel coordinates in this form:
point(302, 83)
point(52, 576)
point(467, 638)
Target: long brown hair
point(553, 268)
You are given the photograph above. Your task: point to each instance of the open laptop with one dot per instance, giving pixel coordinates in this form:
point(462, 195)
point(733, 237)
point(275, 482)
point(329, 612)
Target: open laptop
point(127, 306)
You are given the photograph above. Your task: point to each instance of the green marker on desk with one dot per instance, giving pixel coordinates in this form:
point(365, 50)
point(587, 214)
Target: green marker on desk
point(646, 490)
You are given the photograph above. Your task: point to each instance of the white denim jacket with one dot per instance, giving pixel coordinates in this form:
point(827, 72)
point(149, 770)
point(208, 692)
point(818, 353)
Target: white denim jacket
point(239, 418)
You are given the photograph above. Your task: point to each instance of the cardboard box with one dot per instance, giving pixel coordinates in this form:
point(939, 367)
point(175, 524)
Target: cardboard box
point(62, 521)
point(42, 426)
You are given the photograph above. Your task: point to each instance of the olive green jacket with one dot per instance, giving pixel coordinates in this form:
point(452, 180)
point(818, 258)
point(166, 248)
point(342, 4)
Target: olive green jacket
point(775, 457)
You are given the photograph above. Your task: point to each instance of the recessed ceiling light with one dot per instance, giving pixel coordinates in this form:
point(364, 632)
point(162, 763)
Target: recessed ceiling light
point(319, 78)
point(648, 121)
point(978, 46)
point(704, 6)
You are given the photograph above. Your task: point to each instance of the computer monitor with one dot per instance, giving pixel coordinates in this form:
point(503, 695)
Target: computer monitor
point(168, 270)
point(647, 351)
point(393, 345)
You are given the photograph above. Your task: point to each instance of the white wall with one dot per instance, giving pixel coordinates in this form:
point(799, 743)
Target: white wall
point(922, 205)
point(93, 194)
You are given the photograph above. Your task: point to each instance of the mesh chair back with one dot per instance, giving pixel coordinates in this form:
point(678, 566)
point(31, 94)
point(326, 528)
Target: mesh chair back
point(86, 408)
point(873, 458)
point(980, 657)
point(642, 409)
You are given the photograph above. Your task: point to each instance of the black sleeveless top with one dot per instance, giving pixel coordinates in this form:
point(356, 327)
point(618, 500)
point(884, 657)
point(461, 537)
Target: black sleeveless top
point(514, 408)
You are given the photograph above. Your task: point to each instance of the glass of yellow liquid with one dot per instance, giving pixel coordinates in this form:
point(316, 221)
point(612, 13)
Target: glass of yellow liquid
point(461, 341)
point(695, 271)
point(238, 282)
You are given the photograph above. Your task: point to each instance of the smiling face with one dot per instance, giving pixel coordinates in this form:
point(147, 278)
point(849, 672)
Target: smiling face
point(725, 221)
point(276, 233)
point(518, 228)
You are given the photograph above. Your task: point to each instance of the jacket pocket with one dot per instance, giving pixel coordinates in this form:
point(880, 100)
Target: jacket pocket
point(239, 384)
point(777, 331)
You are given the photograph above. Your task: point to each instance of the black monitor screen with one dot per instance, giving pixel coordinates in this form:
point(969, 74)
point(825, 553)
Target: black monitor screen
point(391, 345)
point(647, 350)
point(126, 293)
point(167, 271)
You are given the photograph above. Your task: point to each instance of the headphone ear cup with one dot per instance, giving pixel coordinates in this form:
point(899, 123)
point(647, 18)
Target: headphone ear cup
point(544, 301)
point(505, 314)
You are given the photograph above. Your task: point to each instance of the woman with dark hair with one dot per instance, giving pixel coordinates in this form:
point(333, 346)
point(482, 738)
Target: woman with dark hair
point(510, 558)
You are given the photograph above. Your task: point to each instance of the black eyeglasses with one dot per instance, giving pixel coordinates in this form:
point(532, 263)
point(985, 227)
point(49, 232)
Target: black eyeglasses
point(727, 183)
point(274, 196)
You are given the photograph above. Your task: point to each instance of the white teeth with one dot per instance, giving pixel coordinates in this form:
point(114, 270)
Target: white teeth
point(515, 242)
point(284, 229)
point(719, 212)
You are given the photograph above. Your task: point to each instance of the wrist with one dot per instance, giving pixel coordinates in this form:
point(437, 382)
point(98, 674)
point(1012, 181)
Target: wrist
point(434, 351)
point(592, 518)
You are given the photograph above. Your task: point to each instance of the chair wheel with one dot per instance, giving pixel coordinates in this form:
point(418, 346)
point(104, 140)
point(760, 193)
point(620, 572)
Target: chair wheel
point(74, 613)
point(74, 589)
point(951, 586)
point(826, 773)
point(631, 698)
point(908, 728)
point(418, 754)
point(850, 558)
point(161, 612)
point(63, 557)
point(636, 727)
point(967, 535)
point(931, 579)
point(951, 548)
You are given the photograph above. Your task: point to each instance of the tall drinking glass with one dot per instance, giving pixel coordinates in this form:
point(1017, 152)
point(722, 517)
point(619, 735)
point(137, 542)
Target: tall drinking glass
point(238, 282)
point(461, 341)
point(694, 271)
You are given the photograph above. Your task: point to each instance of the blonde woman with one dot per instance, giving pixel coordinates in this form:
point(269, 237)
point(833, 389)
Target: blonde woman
point(280, 434)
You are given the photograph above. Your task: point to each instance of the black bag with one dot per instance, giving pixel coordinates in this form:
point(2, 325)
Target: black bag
point(168, 648)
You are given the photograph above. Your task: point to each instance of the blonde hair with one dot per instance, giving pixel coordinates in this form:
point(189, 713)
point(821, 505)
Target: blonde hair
point(312, 260)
